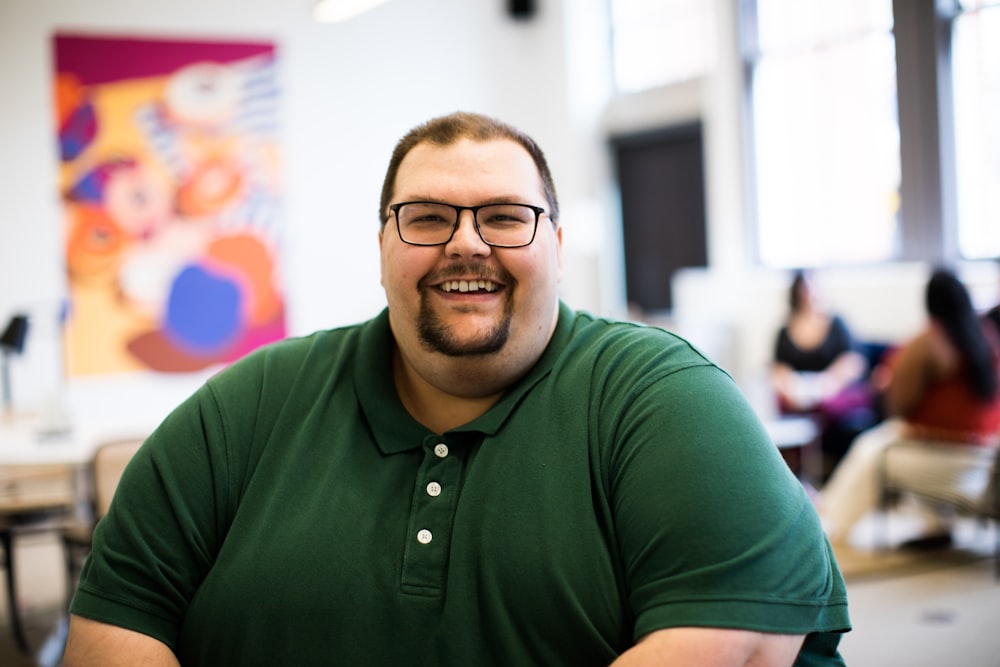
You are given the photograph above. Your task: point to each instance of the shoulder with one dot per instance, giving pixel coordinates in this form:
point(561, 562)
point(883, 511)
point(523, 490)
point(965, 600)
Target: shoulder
point(274, 369)
point(614, 362)
point(617, 342)
point(922, 342)
point(838, 327)
point(291, 353)
point(837, 321)
point(924, 349)
point(281, 380)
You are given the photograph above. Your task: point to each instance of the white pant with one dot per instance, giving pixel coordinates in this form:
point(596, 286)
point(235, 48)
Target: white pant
point(959, 472)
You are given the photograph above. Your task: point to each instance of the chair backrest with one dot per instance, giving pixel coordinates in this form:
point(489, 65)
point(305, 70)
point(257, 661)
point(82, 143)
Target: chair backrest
point(108, 465)
point(964, 477)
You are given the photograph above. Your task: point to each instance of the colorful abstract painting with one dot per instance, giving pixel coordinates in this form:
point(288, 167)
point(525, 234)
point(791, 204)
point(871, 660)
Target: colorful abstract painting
point(171, 194)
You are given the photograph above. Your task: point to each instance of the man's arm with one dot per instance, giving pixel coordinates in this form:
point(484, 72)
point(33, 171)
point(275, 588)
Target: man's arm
point(712, 647)
point(95, 644)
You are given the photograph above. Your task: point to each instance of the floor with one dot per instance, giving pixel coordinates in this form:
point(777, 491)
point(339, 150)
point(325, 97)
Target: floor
point(939, 618)
point(921, 609)
point(935, 609)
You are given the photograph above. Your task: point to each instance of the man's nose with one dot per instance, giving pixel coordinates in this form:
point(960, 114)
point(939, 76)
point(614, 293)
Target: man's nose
point(466, 239)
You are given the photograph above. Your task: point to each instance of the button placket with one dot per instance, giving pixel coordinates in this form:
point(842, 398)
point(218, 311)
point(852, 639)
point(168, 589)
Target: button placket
point(432, 510)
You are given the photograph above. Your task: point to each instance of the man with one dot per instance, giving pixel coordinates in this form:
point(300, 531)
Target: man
point(478, 476)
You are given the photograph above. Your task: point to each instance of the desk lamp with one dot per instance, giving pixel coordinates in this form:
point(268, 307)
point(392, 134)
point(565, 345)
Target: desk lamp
point(11, 343)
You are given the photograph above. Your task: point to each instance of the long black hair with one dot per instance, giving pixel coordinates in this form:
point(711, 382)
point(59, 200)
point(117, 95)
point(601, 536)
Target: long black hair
point(949, 304)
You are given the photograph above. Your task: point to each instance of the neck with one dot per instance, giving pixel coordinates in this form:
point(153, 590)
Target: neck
point(436, 407)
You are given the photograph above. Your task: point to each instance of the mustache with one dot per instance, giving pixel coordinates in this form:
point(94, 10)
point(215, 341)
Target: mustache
point(463, 270)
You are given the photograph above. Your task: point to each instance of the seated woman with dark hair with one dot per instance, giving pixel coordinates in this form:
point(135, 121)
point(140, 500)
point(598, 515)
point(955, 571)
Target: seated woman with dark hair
point(818, 369)
point(943, 386)
point(993, 314)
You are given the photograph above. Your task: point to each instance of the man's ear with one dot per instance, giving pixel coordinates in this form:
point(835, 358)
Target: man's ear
point(381, 240)
point(559, 246)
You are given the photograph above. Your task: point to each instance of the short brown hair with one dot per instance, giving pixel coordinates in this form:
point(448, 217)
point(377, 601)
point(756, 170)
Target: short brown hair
point(446, 130)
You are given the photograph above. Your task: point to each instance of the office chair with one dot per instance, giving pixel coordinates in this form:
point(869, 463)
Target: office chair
point(972, 490)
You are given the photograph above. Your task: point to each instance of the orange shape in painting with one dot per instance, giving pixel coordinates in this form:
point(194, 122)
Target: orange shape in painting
point(250, 258)
point(160, 354)
point(94, 242)
point(69, 96)
point(209, 187)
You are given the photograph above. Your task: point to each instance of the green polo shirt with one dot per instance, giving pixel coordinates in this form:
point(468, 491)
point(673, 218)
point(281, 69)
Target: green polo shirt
point(292, 512)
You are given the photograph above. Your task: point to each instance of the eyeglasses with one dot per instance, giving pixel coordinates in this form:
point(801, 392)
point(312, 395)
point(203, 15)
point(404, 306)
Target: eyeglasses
point(498, 225)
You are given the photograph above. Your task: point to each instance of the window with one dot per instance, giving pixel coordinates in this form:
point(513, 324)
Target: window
point(825, 133)
point(976, 89)
point(871, 130)
point(657, 42)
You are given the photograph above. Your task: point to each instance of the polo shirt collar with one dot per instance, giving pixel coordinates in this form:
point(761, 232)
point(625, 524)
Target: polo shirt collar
point(392, 426)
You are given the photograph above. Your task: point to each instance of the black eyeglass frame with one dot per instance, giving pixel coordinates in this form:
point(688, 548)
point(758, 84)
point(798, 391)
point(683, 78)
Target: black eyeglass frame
point(475, 221)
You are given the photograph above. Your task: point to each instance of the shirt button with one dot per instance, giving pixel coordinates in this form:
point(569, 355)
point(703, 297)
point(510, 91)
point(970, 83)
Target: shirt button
point(424, 536)
point(441, 450)
point(434, 489)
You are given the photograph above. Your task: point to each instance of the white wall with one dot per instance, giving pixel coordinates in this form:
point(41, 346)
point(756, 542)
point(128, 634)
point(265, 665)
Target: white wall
point(349, 91)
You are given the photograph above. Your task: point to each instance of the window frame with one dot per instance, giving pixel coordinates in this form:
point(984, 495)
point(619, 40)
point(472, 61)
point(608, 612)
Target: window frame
point(928, 213)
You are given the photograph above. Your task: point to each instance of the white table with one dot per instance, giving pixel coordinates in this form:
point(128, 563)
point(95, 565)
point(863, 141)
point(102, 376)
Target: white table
point(802, 433)
point(24, 442)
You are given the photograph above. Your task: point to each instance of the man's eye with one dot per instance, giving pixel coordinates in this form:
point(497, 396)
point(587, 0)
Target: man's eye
point(502, 220)
point(508, 216)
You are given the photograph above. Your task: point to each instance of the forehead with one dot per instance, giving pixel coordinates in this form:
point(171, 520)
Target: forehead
point(467, 169)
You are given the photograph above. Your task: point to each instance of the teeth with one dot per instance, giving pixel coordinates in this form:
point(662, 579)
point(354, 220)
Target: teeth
point(469, 286)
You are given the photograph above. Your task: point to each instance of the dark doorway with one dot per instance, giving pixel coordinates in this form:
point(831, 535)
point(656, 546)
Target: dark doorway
point(662, 184)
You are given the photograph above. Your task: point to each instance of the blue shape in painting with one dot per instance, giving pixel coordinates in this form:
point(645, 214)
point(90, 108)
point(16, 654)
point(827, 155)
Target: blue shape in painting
point(90, 188)
point(203, 311)
point(78, 132)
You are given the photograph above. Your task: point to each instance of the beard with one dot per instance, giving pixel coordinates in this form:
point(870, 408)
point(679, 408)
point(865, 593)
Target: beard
point(438, 337)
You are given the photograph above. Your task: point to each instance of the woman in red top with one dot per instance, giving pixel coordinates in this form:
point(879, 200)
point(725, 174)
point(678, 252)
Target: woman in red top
point(943, 385)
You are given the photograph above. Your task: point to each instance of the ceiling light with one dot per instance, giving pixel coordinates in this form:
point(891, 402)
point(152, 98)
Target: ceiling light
point(334, 11)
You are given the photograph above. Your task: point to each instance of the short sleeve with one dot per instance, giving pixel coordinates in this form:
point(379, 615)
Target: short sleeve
point(164, 526)
point(714, 528)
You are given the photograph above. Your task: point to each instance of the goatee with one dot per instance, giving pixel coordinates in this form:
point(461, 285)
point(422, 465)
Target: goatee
point(438, 337)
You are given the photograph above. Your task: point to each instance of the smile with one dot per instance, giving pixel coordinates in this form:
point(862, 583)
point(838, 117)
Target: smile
point(468, 286)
